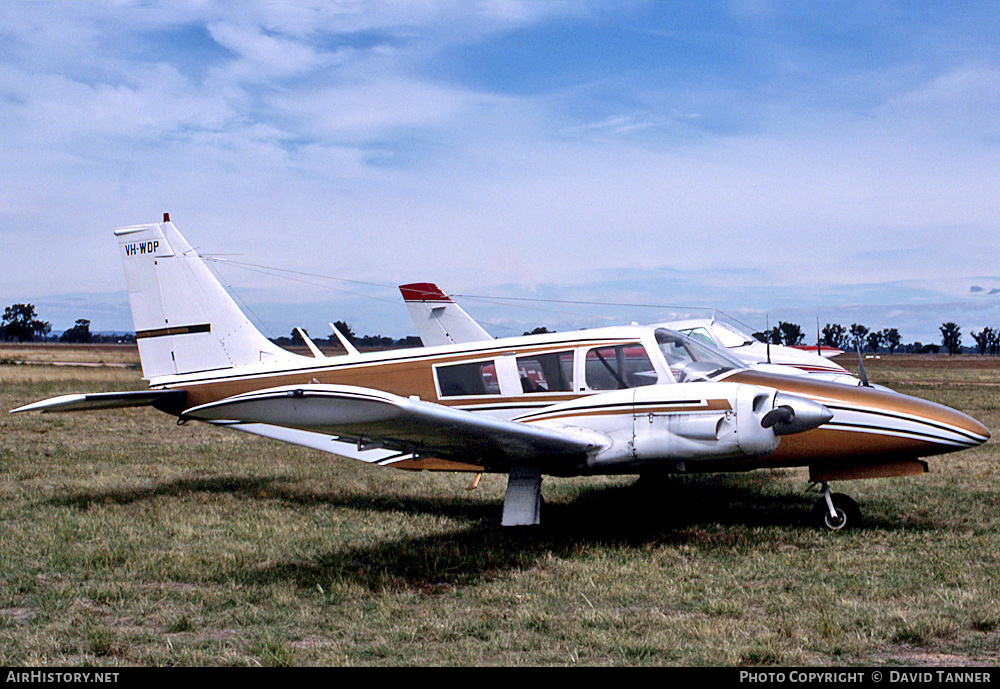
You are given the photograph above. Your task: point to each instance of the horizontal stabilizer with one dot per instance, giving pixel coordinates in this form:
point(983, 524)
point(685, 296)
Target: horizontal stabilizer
point(376, 419)
point(107, 400)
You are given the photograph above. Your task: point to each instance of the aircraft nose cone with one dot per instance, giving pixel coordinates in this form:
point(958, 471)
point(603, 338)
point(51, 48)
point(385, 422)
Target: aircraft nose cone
point(978, 429)
point(947, 427)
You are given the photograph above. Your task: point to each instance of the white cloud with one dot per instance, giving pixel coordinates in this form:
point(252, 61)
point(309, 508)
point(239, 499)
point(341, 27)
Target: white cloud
point(264, 56)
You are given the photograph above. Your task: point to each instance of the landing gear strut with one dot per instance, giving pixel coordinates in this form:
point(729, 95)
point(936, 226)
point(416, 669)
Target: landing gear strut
point(836, 511)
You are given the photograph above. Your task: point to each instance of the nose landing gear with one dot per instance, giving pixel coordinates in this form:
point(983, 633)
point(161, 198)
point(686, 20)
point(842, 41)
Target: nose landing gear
point(836, 511)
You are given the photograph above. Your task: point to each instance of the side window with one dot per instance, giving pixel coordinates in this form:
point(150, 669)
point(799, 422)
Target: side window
point(479, 378)
point(702, 335)
point(619, 367)
point(552, 372)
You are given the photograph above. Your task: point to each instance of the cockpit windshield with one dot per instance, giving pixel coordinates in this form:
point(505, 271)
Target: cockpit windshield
point(691, 360)
point(731, 336)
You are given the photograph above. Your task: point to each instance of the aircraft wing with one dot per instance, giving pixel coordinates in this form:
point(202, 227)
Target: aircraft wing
point(395, 426)
point(107, 400)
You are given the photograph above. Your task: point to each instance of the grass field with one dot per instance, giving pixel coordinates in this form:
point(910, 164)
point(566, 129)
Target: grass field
point(128, 540)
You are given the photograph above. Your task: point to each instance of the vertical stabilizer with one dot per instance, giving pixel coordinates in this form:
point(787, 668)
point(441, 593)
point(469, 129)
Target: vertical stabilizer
point(185, 321)
point(439, 320)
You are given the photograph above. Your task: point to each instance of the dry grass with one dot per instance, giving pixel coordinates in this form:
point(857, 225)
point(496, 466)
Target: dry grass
point(126, 540)
point(70, 354)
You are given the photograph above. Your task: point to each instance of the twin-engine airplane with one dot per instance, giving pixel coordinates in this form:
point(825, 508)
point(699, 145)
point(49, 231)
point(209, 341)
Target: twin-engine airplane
point(621, 400)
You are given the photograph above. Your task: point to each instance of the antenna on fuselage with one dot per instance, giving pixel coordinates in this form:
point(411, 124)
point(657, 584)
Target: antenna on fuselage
point(310, 344)
point(861, 364)
point(351, 349)
point(767, 333)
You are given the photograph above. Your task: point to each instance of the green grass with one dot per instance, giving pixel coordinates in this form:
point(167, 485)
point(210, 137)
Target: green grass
point(127, 540)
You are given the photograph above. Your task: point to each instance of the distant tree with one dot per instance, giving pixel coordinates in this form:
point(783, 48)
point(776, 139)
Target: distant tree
point(772, 336)
point(538, 331)
point(858, 334)
point(78, 333)
point(296, 338)
point(983, 338)
point(874, 339)
point(791, 333)
point(20, 323)
point(951, 337)
point(891, 338)
point(834, 335)
point(994, 341)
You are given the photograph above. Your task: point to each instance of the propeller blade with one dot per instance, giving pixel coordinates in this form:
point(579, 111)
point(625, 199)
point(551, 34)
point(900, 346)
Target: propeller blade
point(783, 414)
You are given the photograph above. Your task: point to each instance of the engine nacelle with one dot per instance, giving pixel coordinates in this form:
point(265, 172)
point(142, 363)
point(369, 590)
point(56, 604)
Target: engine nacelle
point(684, 423)
point(719, 422)
point(688, 422)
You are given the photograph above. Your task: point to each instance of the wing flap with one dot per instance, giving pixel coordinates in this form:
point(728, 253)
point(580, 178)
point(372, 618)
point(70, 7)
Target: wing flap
point(350, 448)
point(373, 419)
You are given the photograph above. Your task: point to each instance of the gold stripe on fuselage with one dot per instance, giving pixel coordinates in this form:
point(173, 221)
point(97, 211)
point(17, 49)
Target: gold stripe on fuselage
point(397, 372)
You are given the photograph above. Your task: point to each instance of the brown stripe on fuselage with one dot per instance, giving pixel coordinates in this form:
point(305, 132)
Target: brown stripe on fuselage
point(396, 372)
point(683, 407)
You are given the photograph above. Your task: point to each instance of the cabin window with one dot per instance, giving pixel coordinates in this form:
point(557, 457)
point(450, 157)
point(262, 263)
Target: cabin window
point(479, 378)
point(619, 367)
point(551, 372)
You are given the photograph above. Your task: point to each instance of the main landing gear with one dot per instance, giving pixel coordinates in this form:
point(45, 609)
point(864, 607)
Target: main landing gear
point(836, 511)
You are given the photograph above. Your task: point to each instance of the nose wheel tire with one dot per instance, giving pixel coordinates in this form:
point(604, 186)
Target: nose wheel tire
point(846, 514)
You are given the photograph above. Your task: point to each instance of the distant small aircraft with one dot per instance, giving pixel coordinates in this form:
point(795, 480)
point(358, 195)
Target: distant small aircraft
point(750, 350)
point(620, 400)
point(440, 320)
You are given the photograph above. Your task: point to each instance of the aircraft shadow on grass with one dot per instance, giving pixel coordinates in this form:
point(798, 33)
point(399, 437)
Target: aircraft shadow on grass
point(711, 512)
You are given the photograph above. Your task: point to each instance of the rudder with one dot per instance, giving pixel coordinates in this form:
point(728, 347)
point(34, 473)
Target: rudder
point(185, 321)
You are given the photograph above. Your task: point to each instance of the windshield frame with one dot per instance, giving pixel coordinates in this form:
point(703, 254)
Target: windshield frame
point(689, 359)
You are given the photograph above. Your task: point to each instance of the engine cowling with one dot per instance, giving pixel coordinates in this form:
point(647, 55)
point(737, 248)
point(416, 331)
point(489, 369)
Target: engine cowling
point(713, 421)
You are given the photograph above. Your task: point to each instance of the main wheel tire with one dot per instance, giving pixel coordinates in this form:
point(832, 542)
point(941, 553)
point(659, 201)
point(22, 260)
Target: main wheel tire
point(848, 514)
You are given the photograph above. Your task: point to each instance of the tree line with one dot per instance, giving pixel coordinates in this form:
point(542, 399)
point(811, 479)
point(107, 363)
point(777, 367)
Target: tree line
point(859, 336)
point(359, 341)
point(21, 323)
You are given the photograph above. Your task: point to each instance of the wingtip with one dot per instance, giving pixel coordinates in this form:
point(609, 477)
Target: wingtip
point(46, 405)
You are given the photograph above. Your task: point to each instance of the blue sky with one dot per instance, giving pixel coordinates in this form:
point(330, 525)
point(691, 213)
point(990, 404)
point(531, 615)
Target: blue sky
point(773, 160)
